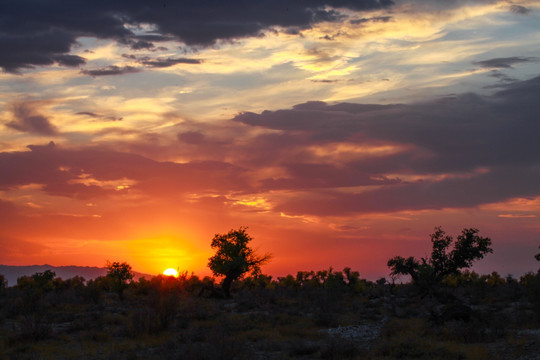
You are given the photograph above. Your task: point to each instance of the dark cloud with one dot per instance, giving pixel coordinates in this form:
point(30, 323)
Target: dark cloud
point(191, 137)
point(146, 42)
point(327, 37)
point(373, 19)
point(303, 176)
point(504, 62)
point(154, 37)
point(501, 76)
point(28, 119)
point(25, 49)
point(141, 44)
point(518, 9)
point(111, 70)
point(456, 135)
point(69, 60)
point(326, 81)
point(87, 113)
point(459, 152)
point(34, 32)
point(498, 185)
point(163, 63)
point(359, 21)
point(98, 116)
point(62, 172)
point(381, 19)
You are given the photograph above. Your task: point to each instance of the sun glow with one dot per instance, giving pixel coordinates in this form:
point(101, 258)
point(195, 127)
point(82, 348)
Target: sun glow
point(171, 272)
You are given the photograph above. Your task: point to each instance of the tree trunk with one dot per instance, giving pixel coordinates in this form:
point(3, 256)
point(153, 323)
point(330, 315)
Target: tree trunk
point(226, 286)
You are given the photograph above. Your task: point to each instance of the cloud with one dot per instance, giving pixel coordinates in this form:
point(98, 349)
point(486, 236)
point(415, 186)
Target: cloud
point(24, 47)
point(325, 81)
point(501, 76)
point(98, 116)
point(28, 119)
point(516, 216)
point(305, 176)
point(35, 33)
point(163, 63)
point(87, 113)
point(502, 63)
point(191, 137)
point(141, 44)
point(88, 173)
point(154, 37)
point(315, 158)
point(450, 153)
point(373, 19)
point(498, 185)
point(69, 60)
point(111, 70)
point(518, 9)
point(145, 42)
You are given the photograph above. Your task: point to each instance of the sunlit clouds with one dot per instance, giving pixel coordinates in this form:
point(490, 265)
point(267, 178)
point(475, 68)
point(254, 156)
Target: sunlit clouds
point(343, 133)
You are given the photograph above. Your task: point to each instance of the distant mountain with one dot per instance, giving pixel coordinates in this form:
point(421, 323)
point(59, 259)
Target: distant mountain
point(12, 273)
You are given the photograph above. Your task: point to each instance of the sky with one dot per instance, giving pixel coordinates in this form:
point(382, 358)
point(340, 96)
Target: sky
point(340, 132)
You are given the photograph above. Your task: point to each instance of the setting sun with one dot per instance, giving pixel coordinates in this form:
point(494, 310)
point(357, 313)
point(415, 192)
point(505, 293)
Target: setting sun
point(339, 132)
point(170, 272)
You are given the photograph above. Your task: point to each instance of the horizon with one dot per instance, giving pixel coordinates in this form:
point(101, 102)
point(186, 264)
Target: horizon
point(399, 279)
point(341, 133)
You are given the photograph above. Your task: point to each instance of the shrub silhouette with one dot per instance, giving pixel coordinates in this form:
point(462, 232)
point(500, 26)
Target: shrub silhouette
point(33, 305)
point(531, 282)
point(120, 274)
point(467, 248)
point(3, 284)
point(234, 257)
point(287, 317)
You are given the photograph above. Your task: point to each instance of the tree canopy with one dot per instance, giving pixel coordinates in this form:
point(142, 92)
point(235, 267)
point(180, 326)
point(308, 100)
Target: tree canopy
point(120, 274)
point(234, 257)
point(467, 248)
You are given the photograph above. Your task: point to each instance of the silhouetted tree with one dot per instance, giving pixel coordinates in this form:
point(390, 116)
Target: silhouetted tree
point(95, 288)
point(120, 274)
point(537, 256)
point(234, 257)
point(353, 278)
point(3, 283)
point(467, 248)
point(34, 304)
point(76, 282)
point(44, 280)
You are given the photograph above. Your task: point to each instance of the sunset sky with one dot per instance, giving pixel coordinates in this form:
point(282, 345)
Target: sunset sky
point(339, 132)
